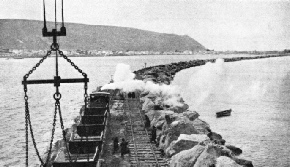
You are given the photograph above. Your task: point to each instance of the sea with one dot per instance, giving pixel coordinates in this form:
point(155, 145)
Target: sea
point(258, 92)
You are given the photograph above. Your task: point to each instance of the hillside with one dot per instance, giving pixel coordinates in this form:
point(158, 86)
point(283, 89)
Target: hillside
point(27, 34)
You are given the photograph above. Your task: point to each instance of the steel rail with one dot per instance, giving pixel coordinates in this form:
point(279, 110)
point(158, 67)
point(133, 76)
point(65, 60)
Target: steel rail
point(152, 149)
point(146, 146)
point(132, 133)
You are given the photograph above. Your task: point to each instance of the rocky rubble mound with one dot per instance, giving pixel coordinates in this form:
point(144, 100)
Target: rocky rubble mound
point(189, 141)
point(183, 137)
point(165, 73)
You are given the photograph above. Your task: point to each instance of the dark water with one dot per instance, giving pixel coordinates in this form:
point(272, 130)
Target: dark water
point(260, 128)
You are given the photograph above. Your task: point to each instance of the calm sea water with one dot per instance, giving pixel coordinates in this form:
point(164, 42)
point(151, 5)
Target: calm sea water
point(260, 128)
point(258, 92)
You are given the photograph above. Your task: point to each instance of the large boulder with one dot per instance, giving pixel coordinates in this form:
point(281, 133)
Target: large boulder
point(172, 131)
point(180, 109)
point(226, 152)
point(208, 156)
point(243, 162)
point(148, 104)
point(224, 161)
point(214, 136)
point(155, 116)
point(217, 138)
point(191, 115)
point(193, 137)
point(176, 124)
point(201, 126)
point(190, 118)
point(179, 145)
point(181, 127)
point(235, 150)
point(165, 140)
point(185, 142)
point(186, 158)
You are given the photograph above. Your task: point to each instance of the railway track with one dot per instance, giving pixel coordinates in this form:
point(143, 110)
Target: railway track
point(143, 153)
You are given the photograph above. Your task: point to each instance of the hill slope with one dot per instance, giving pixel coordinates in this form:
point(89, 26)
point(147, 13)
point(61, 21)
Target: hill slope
point(27, 34)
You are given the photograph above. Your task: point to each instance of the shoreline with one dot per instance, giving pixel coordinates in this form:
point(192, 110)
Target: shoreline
point(278, 54)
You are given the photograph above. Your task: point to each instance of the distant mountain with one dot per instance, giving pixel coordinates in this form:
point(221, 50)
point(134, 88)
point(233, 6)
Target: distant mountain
point(27, 34)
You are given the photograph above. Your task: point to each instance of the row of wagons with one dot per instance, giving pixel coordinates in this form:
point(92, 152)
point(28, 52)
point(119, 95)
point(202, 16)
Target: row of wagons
point(86, 139)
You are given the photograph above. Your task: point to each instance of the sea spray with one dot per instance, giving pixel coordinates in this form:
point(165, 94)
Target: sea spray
point(124, 80)
point(215, 85)
point(123, 73)
point(220, 85)
point(200, 83)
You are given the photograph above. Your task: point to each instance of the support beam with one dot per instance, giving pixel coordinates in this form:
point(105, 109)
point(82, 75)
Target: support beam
point(48, 81)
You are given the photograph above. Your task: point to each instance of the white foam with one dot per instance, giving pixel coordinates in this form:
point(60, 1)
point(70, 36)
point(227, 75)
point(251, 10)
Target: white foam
point(124, 80)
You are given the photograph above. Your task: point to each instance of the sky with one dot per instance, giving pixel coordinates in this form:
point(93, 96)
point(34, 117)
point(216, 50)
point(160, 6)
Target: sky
point(216, 24)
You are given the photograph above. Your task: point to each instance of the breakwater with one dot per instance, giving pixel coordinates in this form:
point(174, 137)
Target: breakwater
point(165, 73)
point(186, 122)
point(177, 68)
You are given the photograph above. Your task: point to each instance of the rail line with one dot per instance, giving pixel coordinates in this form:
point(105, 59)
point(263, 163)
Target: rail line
point(143, 152)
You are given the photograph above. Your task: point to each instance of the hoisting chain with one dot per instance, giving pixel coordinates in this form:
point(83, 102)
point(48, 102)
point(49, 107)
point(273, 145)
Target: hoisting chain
point(57, 97)
point(72, 63)
point(37, 65)
point(52, 135)
point(80, 71)
point(85, 87)
point(27, 114)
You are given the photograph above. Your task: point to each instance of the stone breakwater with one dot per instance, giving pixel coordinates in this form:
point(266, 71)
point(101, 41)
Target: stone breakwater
point(184, 138)
point(165, 73)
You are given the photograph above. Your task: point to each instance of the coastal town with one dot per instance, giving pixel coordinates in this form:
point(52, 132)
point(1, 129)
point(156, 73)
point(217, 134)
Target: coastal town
point(28, 53)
